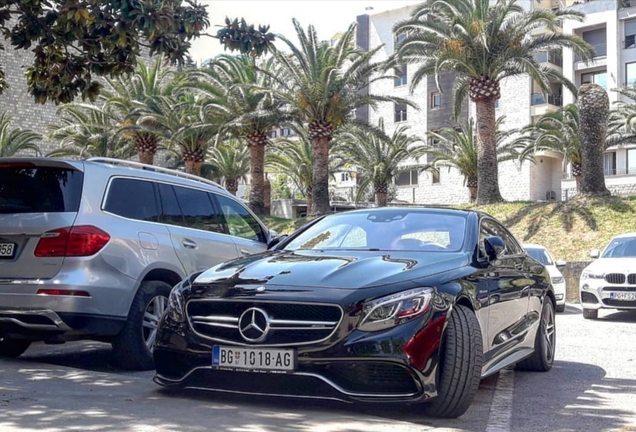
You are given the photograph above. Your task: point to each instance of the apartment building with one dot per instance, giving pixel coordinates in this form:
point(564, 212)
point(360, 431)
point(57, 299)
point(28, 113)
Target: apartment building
point(522, 102)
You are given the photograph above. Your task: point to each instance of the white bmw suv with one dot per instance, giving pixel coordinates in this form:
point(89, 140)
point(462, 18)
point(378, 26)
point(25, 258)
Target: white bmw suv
point(609, 282)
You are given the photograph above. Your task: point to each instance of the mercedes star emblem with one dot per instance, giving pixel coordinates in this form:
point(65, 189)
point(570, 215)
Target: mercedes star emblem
point(254, 325)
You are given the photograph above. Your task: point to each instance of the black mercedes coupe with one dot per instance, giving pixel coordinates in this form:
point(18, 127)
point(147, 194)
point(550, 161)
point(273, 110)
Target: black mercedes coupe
point(375, 305)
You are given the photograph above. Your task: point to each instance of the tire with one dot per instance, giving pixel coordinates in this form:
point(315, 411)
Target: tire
point(459, 370)
point(13, 348)
point(590, 313)
point(560, 308)
point(132, 347)
point(544, 343)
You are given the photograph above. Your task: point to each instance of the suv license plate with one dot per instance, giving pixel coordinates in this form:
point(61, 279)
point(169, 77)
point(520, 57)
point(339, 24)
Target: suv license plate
point(626, 296)
point(253, 359)
point(7, 250)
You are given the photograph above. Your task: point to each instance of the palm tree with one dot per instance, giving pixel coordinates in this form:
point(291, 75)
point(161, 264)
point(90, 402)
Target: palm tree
point(16, 140)
point(130, 96)
point(379, 158)
point(556, 131)
point(322, 84)
point(593, 104)
point(88, 131)
point(230, 162)
point(237, 93)
point(484, 42)
point(457, 147)
point(622, 119)
point(178, 120)
point(294, 157)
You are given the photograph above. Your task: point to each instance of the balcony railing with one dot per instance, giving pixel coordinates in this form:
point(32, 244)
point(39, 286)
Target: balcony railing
point(608, 172)
point(600, 49)
point(542, 99)
point(552, 58)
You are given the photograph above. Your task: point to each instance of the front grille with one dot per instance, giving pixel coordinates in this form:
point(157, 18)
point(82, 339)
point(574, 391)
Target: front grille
point(631, 279)
point(371, 377)
point(615, 278)
point(289, 323)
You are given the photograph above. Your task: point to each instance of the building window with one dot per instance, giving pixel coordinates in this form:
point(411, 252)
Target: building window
point(630, 33)
point(272, 134)
point(631, 161)
point(435, 176)
point(630, 74)
point(436, 100)
point(598, 39)
point(400, 112)
point(407, 178)
point(599, 78)
point(609, 164)
point(400, 78)
point(285, 132)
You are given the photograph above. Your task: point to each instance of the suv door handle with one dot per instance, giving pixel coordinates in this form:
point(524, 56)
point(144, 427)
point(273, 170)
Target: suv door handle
point(189, 244)
point(245, 252)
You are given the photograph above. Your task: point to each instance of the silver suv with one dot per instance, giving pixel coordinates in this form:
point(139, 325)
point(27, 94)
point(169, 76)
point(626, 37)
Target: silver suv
point(91, 249)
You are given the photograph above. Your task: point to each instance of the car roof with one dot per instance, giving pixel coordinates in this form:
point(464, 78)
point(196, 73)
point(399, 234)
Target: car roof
point(625, 235)
point(533, 246)
point(414, 209)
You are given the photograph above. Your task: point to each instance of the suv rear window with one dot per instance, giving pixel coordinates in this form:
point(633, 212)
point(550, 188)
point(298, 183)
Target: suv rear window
point(31, 189)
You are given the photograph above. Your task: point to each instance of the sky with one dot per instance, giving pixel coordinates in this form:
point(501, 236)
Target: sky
point(328, 17)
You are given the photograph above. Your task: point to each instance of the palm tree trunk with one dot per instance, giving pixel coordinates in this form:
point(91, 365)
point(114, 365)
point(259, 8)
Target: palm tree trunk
point(487, 174)
point(146, 158)
point(310, 200)
point(576, 173)
point(193, 167)
point(380, 199)
point(256, 142)
point(472, 183)
point(320, 176)
point(593, 104)
point(231, 185)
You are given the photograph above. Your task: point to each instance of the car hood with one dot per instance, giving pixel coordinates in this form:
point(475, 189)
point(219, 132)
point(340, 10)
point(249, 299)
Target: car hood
point(331, 269)
point(613, 265)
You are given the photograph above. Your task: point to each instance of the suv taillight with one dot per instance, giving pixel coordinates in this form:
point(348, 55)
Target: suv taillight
point(78, 241)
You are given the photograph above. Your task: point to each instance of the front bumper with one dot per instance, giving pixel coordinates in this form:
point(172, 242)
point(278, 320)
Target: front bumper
point(598, 294)
point(398, 365)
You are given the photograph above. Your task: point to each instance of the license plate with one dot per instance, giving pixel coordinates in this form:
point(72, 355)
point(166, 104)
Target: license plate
point(626, 296)
point(7, 250)
point(253, 359)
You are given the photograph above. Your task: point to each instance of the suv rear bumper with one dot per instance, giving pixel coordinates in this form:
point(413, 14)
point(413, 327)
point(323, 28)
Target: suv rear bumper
point(43, 324)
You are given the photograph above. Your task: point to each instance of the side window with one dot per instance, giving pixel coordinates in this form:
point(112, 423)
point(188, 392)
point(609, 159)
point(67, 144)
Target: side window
point(239, 221)
point(170, 210)
point(133, 199)
point(492, 228)
point(197, 210)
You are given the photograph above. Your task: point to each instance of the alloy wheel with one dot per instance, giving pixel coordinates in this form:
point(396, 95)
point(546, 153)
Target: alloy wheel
point(155, 309)
point(549, 332)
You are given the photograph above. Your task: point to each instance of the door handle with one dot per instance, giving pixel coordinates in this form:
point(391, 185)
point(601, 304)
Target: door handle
point(245, 252)
point(189, 244)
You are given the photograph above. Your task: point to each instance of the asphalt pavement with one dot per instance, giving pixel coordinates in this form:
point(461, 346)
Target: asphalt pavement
point(74, 387)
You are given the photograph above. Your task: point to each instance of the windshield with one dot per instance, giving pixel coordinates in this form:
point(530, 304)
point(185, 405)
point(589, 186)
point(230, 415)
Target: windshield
point(624, 247)
point(540, 255)
point(398, 230)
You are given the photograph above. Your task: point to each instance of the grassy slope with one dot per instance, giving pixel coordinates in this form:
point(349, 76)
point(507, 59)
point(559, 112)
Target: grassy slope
point(568, 229)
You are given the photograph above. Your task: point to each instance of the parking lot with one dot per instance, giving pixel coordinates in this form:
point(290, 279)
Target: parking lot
point(592, 387)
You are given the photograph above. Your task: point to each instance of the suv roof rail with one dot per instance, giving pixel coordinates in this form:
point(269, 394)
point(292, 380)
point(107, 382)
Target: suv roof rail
point(154, 168)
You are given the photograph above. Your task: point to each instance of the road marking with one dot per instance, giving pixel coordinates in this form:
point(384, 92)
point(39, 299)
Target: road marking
point(500, 419)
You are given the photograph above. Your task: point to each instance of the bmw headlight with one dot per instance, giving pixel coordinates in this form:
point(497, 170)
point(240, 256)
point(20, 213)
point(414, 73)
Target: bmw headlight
point(393, 310)
point(592, 275)
point(175, 310)
point(557, 280)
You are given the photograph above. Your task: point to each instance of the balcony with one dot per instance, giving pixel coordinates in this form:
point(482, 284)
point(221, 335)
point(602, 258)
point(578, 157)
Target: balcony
point(600, 52)
point(608, 172)
point(551, 58)
point(543, 99)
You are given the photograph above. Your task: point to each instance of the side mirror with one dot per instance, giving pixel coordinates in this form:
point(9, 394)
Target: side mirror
point(595, 253)
point(494, 246)
point(276, 240)
point(560, 263)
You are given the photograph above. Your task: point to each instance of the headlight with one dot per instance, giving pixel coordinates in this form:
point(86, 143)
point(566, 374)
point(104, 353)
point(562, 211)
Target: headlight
point(175, 310)
point(591, 275)
point(395, 309)
point(558, 280)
